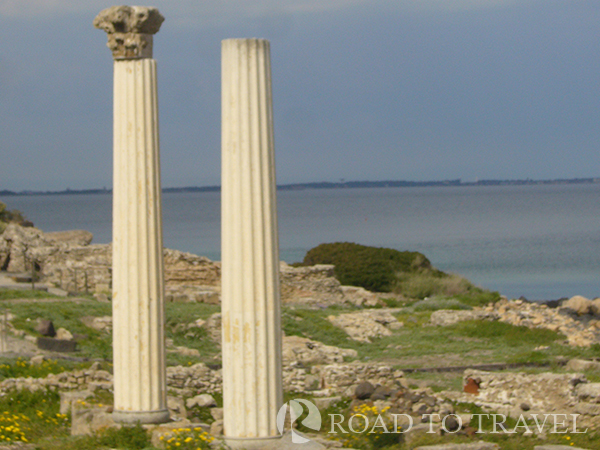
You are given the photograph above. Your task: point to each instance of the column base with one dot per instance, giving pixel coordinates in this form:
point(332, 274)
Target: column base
point(142, 417)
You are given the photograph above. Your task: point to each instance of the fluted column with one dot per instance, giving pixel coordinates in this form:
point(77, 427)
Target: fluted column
point(252, 386)
point(137, 283)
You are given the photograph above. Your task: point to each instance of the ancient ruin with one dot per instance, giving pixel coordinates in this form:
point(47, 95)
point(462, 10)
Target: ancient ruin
point(137, 263)
point(252, 374)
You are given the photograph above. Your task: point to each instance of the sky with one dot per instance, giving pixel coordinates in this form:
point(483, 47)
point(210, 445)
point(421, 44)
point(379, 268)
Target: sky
point(363, 89)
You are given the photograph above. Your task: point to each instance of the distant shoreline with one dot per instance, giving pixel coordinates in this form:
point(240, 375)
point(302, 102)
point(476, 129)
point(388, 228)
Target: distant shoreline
point(334, 185)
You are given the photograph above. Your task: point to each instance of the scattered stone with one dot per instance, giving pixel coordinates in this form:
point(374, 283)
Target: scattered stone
point(446, 317)
point(176, 407)
point(216, 413)
point(87, 421)
point(309, 352)
point(37, 360)
point(364, 390)
point(68, 397)
point(64, 334)
point(203, 401)
point(578, 304)
point(98, 323)
point(581, 365)
point(325, 402)
point(46, 328)
point(216, 428)
point(364, 325)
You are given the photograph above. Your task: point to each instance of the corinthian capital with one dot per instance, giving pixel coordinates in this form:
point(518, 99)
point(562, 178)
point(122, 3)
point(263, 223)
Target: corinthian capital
point(130, 30)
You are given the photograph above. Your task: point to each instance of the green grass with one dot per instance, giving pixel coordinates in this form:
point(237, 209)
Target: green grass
point(11, 368)
point(11, 294)
point(313, 324)
point(28, 416)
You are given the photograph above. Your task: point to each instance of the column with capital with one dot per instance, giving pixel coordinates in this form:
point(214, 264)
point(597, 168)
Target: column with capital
point(138, 279)
point(251, 317)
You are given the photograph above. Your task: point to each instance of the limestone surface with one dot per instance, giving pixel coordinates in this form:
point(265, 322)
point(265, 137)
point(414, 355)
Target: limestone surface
point(364, 325)
point(129, 29)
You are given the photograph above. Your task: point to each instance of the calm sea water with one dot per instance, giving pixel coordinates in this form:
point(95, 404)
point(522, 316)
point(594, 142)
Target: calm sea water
point(542, 242)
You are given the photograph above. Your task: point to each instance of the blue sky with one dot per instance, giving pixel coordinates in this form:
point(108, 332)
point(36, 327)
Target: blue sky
point(363, 90)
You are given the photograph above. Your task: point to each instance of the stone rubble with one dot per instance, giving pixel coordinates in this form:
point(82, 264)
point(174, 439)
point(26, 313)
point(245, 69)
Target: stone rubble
point(68, 261)
point(516, 393)
point(364, 325)
point(581, 330)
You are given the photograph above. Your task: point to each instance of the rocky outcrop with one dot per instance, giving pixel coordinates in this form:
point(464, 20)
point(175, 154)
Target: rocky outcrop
point(317, 285)
point(581, 330)
point(445, 317)
point(308, 352)
point(364, 325)
point(67, 260)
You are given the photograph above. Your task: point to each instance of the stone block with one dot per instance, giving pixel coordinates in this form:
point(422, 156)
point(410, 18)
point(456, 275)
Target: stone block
point(56, 345)
point(203, 401)
point(87, 421)
point(68, 397)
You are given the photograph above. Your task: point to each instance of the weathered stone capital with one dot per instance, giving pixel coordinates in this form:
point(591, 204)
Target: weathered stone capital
point(130, 30)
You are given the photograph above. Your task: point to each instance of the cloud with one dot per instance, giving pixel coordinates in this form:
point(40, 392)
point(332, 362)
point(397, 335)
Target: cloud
point(198, 11)
point(208, 12)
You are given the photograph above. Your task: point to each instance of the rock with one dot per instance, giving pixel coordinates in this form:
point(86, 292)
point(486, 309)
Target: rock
point(97, 323)
point(216, 428)
point(364, 390)
point(87, 421)
point(595, 307)
point(446, 317)
point(187, 351)
point(37, 360)
point(68, 397)
point(216, 413)
point(203, 401)
point(581, 365)
point(56, 345)
point(589, 392)
point(451, 424)
point(45, 328)
point(325, 402)
point(64, 334)
point(309, 352)
point(525, 406)
point(72, 237)
point(578, 304)
point(176, 406)
point(213, 326)
point(362, 326)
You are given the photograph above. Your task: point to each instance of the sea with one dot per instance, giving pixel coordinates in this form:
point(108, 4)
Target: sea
point(541, 242)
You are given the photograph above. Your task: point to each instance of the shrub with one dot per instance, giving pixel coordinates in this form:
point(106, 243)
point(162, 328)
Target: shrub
point(372, 268)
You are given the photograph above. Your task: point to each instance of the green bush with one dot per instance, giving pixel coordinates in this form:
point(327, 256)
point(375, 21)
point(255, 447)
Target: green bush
point(372, 268)
point(8, 216)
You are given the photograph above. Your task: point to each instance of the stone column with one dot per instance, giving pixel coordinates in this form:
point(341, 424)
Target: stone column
point(137, 284)
point(252, 386)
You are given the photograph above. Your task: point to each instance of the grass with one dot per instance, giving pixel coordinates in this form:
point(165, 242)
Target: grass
point(22, 368)
point(11, 294)
point(417, 344)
